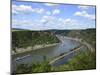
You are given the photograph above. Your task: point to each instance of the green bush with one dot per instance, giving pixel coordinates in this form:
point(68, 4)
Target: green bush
point(83, 61)
point(33, 68)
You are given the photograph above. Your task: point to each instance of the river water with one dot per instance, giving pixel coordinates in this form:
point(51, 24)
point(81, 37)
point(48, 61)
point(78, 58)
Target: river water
point(50, 52)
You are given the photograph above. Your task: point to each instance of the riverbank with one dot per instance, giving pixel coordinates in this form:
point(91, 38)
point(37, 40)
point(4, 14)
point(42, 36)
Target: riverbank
point(81, 41)
point(30, 48)
point(65, 54)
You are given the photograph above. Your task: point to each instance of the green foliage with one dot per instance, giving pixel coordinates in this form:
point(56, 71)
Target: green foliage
point(25, 38)
point(86, 60)
point(43, 67)
point(88, 35)
point(21, 39)
point(33, 68)
point(83, 61)
point(23, 68)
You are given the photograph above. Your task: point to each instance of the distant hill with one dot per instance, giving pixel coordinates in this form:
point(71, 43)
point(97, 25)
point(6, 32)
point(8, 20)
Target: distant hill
point(18, 29)
point(88, 35)
point(25, 38)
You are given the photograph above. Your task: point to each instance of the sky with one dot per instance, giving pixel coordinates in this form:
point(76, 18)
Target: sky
point(43, 16)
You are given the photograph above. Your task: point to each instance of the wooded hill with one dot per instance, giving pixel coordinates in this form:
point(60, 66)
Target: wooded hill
point(25, 38)
point(88, 35)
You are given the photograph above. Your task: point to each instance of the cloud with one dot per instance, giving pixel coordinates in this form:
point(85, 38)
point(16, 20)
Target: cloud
point(47, 19)
point(26, 9)
point(56, 11)
point(50, 4)
point(70, 21)
point(60, 19)
point(53, 12)
point(21, 23)
point(83, 7)
point(38, 10)
point(22, 8)
point(14, 12)
point(59, 22)
point(85, 15)
point(48, 13)
point(48, 22)
point(27, 24)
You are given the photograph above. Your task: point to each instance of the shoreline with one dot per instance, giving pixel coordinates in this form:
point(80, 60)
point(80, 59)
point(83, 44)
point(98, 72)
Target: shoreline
point(65, 54)
point(81, 41)
point(36, 47)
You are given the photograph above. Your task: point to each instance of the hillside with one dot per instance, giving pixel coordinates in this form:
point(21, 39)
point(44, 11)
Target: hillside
point(88, 35)
point(83, 61)
point(25, 38)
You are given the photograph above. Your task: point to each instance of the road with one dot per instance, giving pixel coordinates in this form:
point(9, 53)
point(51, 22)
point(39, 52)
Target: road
point(73, 50)
point(60, 57)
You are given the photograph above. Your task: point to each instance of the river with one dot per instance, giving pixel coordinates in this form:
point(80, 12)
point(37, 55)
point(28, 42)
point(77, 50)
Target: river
point(50, 52)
